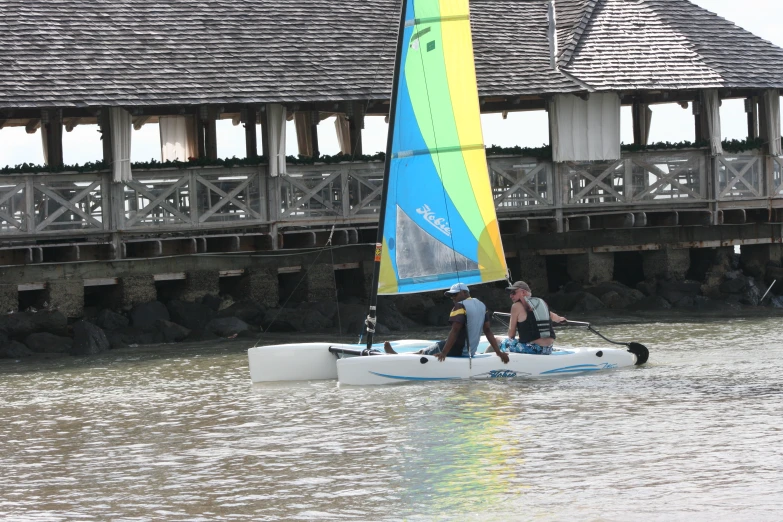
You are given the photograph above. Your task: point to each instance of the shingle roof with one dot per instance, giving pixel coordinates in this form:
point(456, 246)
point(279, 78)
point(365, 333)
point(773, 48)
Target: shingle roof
point(187, 52)
point(172, 52)
point(670, 44)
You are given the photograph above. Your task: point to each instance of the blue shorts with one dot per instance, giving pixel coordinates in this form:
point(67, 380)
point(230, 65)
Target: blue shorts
point(513, 345)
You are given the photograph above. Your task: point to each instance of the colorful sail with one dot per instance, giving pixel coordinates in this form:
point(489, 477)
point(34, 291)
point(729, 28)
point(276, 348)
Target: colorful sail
point(440, 225)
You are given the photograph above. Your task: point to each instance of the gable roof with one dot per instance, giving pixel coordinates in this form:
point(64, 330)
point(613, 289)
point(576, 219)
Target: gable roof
point(81, 53)
point(669, 44)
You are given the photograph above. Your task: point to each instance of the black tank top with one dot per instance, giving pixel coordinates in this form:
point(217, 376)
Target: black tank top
point(527, 330)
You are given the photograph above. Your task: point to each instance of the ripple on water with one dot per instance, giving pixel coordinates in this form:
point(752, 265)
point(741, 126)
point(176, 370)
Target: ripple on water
point(185, 436)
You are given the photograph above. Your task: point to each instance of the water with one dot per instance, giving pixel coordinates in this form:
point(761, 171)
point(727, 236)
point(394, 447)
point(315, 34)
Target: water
point(179, 433)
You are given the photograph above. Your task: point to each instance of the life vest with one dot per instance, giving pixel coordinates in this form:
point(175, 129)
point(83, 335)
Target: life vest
point(540, 311)
point(476, 312)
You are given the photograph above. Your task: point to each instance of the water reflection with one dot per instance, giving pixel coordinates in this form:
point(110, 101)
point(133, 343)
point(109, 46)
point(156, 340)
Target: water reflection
point(182, 435)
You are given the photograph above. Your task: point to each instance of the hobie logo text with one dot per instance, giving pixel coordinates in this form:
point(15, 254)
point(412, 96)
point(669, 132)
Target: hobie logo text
point(439, 223)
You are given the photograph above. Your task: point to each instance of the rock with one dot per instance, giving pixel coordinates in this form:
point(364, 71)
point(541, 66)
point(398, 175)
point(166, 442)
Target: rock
point(145, 315)
point(293, 320)
point(654, 302)
point(776, 301)
point(673, 291)
point(572, 287)
point(45, 342)
point(172, 332)
point(733, 286)
point(88, 339)
point(194, 316)
point(14, 350)
point(687, 302)
point(22, 324)
point(414, 306)
point(122, 337)
point(615, 301)
point(227, 326)
point(212, 302)
point(437, 316)
point(201, 335)
point(646, 288)
point(248, 311)
point(389, 316)
point(587, 302)
point(108, 320)
point(327, 309)
point(155, 337)
point(751, 294)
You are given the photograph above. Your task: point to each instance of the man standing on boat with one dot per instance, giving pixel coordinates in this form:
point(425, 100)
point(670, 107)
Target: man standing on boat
point(468, 319)
point(531, 318)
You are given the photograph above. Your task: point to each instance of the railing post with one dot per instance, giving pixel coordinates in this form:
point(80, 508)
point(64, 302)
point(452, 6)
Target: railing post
point(561, 196)
point(193, 188)
point(710, 172)
point(29, 202)
point(345, 190)
point(628, 179)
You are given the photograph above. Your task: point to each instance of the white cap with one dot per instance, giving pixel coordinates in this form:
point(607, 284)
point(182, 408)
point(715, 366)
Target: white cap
point(457, 288)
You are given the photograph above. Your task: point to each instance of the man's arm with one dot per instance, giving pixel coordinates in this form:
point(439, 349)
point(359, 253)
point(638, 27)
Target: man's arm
point(450, 340)
point(494, 342)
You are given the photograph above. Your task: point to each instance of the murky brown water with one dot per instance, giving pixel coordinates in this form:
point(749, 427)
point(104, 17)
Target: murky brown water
point(180, 433)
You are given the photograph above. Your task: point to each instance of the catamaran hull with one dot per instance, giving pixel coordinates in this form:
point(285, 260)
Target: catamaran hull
point(393, 369)
point(318, 361)
point(308, 361)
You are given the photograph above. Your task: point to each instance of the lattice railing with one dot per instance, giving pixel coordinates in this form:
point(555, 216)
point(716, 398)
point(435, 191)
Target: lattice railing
point(740, 176)
point(636, 178)
point(521, 183)
point(777, 176)
point(192, 198)
point(328, 191)
point(51, 203)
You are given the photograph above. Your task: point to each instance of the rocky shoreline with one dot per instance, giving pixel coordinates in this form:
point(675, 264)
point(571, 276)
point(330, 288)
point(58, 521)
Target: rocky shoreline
point(31, 333)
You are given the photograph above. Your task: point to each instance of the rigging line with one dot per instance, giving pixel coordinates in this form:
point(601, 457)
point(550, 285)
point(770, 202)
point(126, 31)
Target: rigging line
point(432, 122)
point(293, 292)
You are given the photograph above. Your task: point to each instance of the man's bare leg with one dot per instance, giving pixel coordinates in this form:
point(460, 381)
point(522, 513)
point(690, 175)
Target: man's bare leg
point(388, 349)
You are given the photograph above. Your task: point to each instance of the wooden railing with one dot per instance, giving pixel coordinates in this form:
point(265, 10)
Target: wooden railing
point(71, 204)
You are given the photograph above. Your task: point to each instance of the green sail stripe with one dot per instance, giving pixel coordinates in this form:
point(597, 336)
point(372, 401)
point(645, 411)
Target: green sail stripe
point(427, 84)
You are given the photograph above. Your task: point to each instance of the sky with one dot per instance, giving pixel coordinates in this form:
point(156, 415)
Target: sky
point(527, 129)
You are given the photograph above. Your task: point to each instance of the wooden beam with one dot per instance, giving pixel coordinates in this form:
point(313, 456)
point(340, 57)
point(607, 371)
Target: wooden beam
point(101, 281)
point(27, 287)
point(139, 121)
point(201, 146)
point(251, 138)
point(170, 276)
point(54, 138)
point(355, 126)
point(210, 134)
point(314, 119)
point(104, 124)
point(752, 110)
point(32, 126)
point(70, 123)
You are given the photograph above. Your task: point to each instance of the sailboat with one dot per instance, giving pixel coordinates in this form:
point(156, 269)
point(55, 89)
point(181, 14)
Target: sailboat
point(437, 224)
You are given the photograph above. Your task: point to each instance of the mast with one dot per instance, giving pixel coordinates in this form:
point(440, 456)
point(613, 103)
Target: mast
point(371, 316)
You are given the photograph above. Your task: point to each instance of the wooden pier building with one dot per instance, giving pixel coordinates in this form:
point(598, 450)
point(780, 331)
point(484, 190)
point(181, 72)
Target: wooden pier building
point(185, 64)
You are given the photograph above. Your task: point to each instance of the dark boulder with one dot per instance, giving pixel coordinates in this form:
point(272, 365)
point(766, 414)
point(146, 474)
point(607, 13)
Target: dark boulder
point(248, 311)
point(200, 335)
point(212, 302)
point(45, 342)
point(294, 320)
point(389, 316)
point(654, 302)
point(437, 316)
point(22, 324)
point(587, 303)
point(572, 287)
point(123, 337)
point(327, 309)
point(227, 326)
point(145, 315)
point(172, 332)
point(194, 316)
point(88, 339)
point(673, 291)
point(414, 306)
point(108, 320)
point(14, 350)
point(733, 286)
point(573, 302)
point(646, 287)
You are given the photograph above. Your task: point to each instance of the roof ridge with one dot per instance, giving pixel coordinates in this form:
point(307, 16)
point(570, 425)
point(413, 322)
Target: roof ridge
point(578, 31)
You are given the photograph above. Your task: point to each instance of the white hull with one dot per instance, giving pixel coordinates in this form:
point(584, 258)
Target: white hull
point(315, 361)
point(391, 369)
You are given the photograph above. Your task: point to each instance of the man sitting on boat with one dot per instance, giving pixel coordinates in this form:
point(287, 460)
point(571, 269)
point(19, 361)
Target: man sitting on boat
point(532, 319)
point(468, 319)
